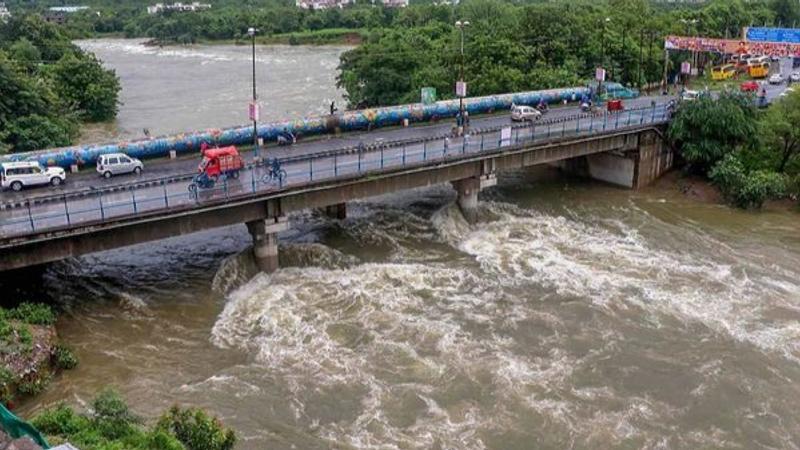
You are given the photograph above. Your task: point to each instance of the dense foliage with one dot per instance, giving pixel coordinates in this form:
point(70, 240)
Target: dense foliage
point(47, 86)
point(750, 156)
point(112, 425)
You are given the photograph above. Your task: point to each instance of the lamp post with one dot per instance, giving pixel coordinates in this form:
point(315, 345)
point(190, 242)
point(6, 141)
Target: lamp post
point(688, 23)
point(461, 24)
point(254, 106)
point(603, 53)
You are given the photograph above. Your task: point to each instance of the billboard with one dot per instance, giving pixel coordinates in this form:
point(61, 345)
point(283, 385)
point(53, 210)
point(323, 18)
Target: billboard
point(730, 46)
point(775, 35)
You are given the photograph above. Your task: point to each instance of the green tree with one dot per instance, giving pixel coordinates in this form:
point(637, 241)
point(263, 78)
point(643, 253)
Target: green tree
point(707, 129)
point(82, 81)
point(781, 130)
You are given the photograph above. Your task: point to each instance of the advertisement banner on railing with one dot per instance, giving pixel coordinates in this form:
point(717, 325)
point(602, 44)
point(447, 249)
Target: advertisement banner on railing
point(731, 46)
point(505, 137)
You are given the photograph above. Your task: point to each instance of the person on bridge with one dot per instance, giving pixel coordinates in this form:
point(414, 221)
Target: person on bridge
point(333, 107)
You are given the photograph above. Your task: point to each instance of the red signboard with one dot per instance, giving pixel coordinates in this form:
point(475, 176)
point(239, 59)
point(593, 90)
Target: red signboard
point(731, 46)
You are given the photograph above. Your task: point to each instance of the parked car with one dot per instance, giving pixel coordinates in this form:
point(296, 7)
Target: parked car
point(795, 77)
point(689, 95)
point(525, 113)
point(749, 86)
point(117, 164)
point(776, 78)
point(16, 175)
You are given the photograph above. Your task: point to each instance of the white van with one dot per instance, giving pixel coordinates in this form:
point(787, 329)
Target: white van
point(16, 175)
point(118, 163)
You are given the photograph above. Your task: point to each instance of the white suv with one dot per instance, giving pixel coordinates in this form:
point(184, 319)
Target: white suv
point(118, 163)
point(16, 175)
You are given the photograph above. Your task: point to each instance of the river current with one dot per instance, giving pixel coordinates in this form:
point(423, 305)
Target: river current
point(574, 315)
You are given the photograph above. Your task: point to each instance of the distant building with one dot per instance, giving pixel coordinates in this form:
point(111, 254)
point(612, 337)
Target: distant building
point(395, 3)
point(322, 4)
point(58, 14)
point(4, 13)
point(177, 7)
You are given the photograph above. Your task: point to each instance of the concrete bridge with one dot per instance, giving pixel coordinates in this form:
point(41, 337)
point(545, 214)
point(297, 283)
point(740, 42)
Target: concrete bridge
point(621, 148)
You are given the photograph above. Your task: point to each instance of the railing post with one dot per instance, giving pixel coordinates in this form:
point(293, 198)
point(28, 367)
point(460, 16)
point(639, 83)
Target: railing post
point(578, 126)
point(359, 161)
point(563, 128)
point(482, 136)
point(630, 111)
point(591, 124)
point(311, 169)
point(424, 150)
point(335, 164)
point(464, 145)
point(253, 177)
point(225, 186)
point(166, 197)
point(381, 157)
point(102, 211)
point(605, 119)
point(653, 116)
point(404, 155)
point(30, 216)
point(133, 194)
point(66, 210)
point(616, 121)
point(548, 130)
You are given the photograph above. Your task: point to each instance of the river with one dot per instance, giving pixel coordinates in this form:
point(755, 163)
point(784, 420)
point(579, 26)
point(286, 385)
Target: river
point(575, 315)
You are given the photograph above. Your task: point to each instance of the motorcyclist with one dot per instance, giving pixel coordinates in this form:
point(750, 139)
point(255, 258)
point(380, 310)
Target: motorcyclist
point(542, 106)
point(286, 137)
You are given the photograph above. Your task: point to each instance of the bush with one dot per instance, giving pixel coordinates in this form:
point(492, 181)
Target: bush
point(64, 357)
point(33, 313)
point(196, 430)
point(112, 426)
point(746, 189)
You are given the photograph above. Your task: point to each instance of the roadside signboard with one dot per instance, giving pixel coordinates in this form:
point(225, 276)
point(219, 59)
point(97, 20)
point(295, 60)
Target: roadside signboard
point(686, 68)
point(428, 95)
point(505, 137)
point(777, 35)
point(461, 89)
point(253, 111)
point(600, 74)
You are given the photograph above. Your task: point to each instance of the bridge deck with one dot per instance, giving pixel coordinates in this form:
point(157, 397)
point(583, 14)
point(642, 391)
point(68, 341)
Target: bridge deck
point(81, 208)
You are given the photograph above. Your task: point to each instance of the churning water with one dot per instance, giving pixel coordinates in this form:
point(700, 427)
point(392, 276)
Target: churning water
point(575, 315)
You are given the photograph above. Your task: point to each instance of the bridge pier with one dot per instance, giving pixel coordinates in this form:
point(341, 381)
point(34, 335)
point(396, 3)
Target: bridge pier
point(265, 241)
point(336, 211)
point(467, 189)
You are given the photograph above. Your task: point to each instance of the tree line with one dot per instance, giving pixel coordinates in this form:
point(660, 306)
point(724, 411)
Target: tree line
point(48, 86)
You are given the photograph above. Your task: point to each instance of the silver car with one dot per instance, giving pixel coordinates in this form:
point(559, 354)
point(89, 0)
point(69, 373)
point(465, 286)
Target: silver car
point(118, 163)
point(525, 113)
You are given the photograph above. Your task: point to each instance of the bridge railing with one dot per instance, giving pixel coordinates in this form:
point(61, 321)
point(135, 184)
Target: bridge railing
point(72, 211)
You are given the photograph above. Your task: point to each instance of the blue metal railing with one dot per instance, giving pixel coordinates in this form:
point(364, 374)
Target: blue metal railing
point(351, 162)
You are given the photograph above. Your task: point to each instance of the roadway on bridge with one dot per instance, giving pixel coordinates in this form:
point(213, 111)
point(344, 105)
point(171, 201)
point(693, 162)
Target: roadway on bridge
point(311, 162)
point(69, 212)
point(161, 168)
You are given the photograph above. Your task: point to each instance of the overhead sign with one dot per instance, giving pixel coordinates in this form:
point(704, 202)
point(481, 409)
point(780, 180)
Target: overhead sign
point(731, 46)
point(775, 35)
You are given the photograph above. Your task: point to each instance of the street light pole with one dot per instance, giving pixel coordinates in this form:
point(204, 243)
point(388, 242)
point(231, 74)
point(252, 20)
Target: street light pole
point(254, 107)
point(461, 25)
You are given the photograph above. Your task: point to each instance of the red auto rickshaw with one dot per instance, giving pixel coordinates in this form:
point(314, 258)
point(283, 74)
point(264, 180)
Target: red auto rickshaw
point(217, 164)
point(615, 105)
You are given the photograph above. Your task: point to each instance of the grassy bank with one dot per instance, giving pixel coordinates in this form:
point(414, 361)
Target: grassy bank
point(29, 351)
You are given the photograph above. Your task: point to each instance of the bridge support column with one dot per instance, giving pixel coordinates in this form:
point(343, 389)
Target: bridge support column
point(265, 241)
point(467, 190)
point(337, 211)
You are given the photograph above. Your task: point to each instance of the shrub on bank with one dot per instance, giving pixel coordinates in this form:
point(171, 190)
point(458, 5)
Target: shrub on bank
point(29, 352)
point(112, 425)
